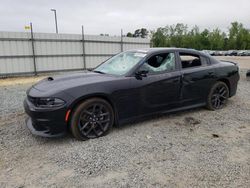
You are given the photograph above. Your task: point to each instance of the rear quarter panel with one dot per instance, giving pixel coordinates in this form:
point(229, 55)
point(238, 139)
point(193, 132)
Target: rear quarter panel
point(228, 72)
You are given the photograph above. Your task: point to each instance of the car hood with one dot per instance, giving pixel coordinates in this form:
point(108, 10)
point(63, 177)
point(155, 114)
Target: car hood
point(59, 83)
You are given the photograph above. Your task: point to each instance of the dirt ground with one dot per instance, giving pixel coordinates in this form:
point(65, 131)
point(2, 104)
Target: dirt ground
point(193, 148)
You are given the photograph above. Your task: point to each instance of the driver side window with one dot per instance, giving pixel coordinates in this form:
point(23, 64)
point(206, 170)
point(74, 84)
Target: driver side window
point(164, 62)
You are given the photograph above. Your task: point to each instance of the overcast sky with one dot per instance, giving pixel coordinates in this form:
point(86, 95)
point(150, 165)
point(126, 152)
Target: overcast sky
point(109, 16)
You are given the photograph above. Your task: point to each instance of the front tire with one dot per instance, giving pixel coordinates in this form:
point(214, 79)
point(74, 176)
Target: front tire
point(217, 96)
point(93, 118)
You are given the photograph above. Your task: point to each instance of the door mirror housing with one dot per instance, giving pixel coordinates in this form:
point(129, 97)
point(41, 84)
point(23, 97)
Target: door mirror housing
point(140, 74)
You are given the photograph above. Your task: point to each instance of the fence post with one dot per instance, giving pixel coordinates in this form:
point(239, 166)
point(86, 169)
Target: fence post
point(121, 40)
point(33, 48)
point(83, 49)
point(151, 44)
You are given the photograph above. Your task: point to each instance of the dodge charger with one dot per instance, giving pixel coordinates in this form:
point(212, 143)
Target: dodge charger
point(128, 86)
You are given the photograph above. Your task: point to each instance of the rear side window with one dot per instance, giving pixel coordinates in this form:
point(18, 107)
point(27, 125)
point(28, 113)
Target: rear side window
point(189, 60)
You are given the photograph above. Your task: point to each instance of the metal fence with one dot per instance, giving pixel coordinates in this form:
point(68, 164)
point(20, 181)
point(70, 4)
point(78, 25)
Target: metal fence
point(33, 53)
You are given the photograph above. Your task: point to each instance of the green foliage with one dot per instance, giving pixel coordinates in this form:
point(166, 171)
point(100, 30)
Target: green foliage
point(159, 38)
point(129, 34)
point(180, 36)
point(142, 33)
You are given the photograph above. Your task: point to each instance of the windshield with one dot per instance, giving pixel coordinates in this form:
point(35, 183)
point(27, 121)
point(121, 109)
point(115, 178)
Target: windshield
point(121, 63)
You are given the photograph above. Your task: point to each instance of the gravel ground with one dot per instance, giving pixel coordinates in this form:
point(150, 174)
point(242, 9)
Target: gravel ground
point(194, 148)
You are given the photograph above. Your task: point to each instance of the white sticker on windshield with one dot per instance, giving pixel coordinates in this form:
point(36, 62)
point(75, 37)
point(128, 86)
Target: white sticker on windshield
point(140, 54)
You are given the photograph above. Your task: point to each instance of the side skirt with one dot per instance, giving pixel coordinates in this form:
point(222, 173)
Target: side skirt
point(141, 117)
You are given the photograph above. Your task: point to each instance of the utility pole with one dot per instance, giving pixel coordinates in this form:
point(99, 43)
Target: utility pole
point(33, 48)
point(121, 40)
point(83, 49)
point(54, 10)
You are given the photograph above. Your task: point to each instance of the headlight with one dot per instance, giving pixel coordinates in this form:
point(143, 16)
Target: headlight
point(49, 102)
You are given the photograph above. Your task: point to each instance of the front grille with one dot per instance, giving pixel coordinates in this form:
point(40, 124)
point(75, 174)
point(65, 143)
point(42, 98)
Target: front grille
point(33, 100)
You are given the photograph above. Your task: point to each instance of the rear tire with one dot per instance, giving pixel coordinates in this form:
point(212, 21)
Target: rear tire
point(217, 96)
point(92, 118)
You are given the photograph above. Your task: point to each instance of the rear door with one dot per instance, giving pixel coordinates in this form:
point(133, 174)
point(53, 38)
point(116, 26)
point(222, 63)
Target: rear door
point(197, 78)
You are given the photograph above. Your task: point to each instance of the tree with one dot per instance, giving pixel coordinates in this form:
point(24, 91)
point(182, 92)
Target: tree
point(139, 33)
point(144, 33)
point(158, 38)
point(180, 36)
point(193, 38)
point(177, 33)
point(238, 36)
point(204, 39)
point(217, 39)
point(234, 30)
point(129, 34)
point(242, 41)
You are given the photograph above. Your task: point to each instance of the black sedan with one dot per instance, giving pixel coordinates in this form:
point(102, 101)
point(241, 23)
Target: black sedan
point(128, 86)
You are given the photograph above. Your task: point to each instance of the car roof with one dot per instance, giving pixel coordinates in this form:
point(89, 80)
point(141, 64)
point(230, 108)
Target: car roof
point(153, 50)
point(150, 51)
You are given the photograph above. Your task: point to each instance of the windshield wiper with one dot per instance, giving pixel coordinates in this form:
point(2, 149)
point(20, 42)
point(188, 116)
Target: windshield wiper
point(98, 72)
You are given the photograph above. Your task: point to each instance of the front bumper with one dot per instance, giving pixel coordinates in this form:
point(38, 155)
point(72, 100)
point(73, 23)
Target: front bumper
point(44, 133)
point(45, 122)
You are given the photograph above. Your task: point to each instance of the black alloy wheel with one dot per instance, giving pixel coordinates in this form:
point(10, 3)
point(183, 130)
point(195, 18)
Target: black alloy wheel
point(218, 96)
point(91, 119)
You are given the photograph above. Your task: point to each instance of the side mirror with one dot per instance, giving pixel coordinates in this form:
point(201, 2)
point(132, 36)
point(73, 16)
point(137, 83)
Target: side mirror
point(140, 74)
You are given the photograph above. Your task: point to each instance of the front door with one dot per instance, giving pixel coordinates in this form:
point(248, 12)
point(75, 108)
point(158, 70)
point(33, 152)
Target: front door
point(160, 89)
